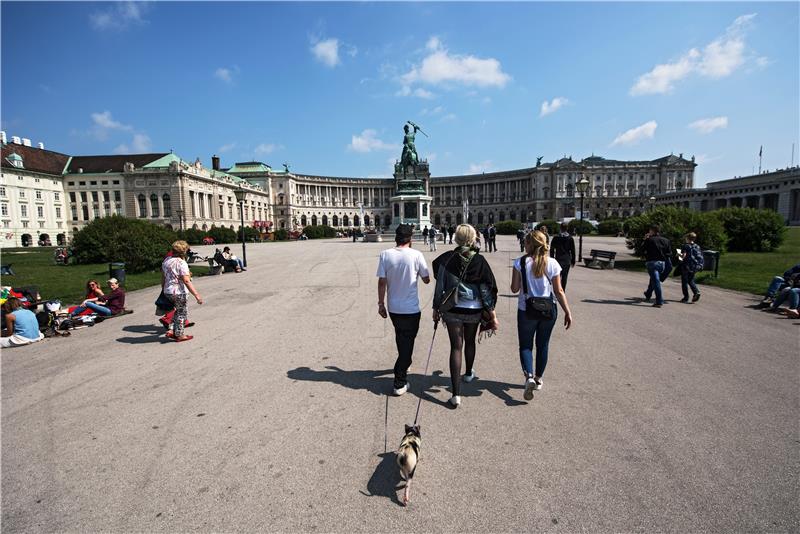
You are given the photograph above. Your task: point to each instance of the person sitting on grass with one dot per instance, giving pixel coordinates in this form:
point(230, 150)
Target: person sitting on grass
point(778, 283)
point(93, 291)
point(104, 305)
point(23, 328)
point(228, 255)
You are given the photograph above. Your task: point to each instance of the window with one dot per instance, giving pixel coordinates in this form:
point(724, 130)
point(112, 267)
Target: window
point(4, 210)
point(104, 182)
point(40, 211)
point(142, 205)
point(168, 205)
point(70, 183)
point(2, 190)
point(81, 183)
point(119, 209)
point(92, 183)
point(154, 211)
point(74, 213)
point(94, 196)
point(106, 196)
point(116, 182)
point(38, 194)
point(83, 196)
point(24, 224)
point(21, 193)
point(58, 212)
point(23, 210)
point(57, 196)
point(36, 180)
point(72, 196)
point(96, 211)
point(117, 196)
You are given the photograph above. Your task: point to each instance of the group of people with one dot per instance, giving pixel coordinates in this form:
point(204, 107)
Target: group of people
point(228, 260)
point(658, 260)
point(464, 300)
point(784, 289)
point(429, 236)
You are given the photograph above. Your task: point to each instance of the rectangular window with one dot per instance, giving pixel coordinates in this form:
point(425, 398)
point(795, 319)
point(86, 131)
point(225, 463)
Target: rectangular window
point(36, 180)
point(21, 193)
point(104, 182)
point(119, 209)
point(40, 211)
point(70, 183)
point(96, 211)
point(41, 224)
point(92, 183)
point(83, 196)
point(81, 183)
point(57, 196)
point(117, 196)
point(58, 212)
point(24, 224)
point(38, 194)
point(85, 210)
point(106, 196)
point(4, 210)
point(2, 190)
point(23, 210)
point(74, 210)
point(94, 196)
point(116, 182)
point(72, 196)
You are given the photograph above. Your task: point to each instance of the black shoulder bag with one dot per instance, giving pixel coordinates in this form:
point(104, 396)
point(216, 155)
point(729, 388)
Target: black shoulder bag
point(538, 308)
point(450, 299)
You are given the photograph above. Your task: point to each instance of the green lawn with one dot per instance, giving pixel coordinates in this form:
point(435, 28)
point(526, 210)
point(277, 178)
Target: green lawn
point(745, 271)
point(67, 283)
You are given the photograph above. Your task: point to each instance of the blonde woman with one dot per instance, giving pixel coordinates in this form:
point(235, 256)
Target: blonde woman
point(465, 289)
point(541, 282)
point(176, 278)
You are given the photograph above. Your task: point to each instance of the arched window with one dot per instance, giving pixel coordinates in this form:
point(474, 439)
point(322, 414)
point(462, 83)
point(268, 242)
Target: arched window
point(26, 240)
point(335, 220)
point(303, 220)
point(480, 217)
point(283, 224)
point(366, 220)
point(154, 211)
point(679, 185)
point(345, 221)
point(313, 220)
point(459, 218)
point(142, 205)
point(356, 221)
point(168, 205)
point(61, 239)
point(324, 220)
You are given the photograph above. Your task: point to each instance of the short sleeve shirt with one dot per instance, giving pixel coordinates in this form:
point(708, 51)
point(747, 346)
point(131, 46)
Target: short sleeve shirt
point(174, 268)
point(402, 266)
point(538, 287)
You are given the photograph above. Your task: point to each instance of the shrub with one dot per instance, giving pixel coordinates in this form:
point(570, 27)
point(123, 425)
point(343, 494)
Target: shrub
point(192, 236)
point(319, 232)
point(508, 227)
point(675, 223)
point(575, 226)
point(281, 235)
point(609, 227)
point(140, 244)
point(223, 234)
point(552, 226)
point(752, 230)
point(250, 234)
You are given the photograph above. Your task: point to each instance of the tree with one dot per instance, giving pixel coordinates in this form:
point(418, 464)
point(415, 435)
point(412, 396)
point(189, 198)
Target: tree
point(508, 227)
point(676, 223)
point(752, 230)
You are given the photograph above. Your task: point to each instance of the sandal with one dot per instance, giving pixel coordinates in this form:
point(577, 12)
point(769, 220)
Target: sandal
point(184, 338)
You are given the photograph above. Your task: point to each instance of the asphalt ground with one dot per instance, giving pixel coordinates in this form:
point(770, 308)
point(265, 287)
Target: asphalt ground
point(276, 416)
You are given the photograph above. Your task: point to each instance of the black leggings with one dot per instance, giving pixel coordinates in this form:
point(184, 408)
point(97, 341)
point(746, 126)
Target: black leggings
point(461, 335)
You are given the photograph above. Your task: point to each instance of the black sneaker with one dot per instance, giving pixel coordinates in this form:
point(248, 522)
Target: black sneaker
point(646, 298)
point(696, 297)
point(657, 305)
point(685, 299)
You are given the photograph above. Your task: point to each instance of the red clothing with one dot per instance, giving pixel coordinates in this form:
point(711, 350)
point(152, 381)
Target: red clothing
point(87, 311)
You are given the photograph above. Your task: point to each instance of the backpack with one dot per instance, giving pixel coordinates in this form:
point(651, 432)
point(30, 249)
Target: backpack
point(695, 261)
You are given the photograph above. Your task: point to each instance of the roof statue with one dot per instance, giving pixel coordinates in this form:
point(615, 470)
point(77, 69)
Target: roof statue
point(539, 161)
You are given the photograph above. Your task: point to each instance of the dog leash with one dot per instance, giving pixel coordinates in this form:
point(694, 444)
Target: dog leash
point(419, 402)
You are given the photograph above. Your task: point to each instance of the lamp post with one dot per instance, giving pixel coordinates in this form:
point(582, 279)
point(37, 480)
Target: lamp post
point(180, 218)
point(240, 196)
point(583, 186)
point(652, 202)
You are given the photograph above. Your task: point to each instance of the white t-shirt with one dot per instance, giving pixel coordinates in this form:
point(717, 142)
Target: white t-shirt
point(538, 287)
point(401, 267)
point(174, 268)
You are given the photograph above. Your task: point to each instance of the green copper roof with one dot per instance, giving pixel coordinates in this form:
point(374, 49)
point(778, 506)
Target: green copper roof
point(163, 161)
point(249, 166)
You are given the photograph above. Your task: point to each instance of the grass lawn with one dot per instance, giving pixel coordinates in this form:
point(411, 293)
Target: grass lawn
point(745, 271)
point(67, 283)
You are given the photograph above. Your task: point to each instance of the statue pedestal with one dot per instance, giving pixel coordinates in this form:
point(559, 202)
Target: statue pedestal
point(411, 203)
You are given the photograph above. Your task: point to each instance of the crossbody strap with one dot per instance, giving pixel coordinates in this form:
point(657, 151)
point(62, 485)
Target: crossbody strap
point(524, 275)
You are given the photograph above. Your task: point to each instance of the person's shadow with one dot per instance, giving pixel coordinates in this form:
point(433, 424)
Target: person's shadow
point(380, 382)
point(156, 334)
point(385, 478)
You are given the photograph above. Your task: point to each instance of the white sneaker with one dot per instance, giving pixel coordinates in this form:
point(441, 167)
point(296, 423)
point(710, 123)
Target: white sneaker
point(470, 377)
point(455, 401)
point(530, 385)
point(399, 391)
point(537, 383)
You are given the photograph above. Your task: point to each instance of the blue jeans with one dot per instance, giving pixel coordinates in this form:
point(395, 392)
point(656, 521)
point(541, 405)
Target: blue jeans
point(775, 285)
point(528, 331)
point(792, 294)
point(654, 269)
point(102, 310)
point(687, 281)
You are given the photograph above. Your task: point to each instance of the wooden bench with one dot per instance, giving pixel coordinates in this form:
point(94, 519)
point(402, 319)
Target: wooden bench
point(600, 259)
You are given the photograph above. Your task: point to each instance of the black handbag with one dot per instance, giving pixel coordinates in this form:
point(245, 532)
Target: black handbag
point(164, 303)
point(538, 308)
point(450, 300)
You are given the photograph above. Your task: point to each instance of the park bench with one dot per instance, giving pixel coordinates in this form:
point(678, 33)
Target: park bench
point(6, 270)
point(214, 267)
point(600, 259)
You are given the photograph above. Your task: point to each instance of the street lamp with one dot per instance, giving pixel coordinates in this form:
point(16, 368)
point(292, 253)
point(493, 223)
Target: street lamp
point(583, 186)
point(180, 218)
point(652, 202)
point(240, 196)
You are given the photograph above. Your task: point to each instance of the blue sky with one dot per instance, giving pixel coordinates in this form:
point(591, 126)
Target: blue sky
point(327, 87)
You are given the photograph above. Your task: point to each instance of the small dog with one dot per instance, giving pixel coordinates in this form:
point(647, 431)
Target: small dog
point(408, 456)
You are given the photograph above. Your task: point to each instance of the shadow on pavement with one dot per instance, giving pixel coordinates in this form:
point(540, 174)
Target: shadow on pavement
point(156, 334)
point(380, 382)
point(385, 478)
point(629, 301)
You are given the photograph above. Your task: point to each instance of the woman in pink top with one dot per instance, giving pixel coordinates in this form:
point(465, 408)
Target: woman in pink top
point(175, 280)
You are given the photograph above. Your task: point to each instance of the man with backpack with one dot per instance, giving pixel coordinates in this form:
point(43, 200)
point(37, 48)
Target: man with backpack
point(691, 264)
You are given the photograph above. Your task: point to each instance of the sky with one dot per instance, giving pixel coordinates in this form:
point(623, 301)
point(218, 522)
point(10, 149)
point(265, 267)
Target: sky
point(327, 87)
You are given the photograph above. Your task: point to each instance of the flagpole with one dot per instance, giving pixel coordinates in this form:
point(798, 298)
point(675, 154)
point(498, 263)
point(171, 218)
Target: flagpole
point(760, 151)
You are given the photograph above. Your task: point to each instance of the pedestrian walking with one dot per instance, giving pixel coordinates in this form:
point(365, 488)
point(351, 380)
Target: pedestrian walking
point(539, 278)
point(691, 263)
point(398, 271)
point(562, 248)
point(521, 239)
point(465, 291)
point(176, 278)
point(450, 232)
point(492, 231)
point(425, 235)
point(656, 251)
point(485, 233)
point(432, 238)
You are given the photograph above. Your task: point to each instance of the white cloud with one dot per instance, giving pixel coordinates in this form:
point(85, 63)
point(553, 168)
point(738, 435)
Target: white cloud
point(105, 121)
point(140, 144)
point(435, 111)
point(705, 126)
point(702, 159)
point(764, 61)
point(718, 59)
point(634, 135)
point(226, 147)
point(449, 117)
point(266, 148)
point(226, 74)
point(553, 106)
point(478, 168)
point(418, 92)
point(441, 67)
point(327, 52)
point(120, 16)
point(367, 142)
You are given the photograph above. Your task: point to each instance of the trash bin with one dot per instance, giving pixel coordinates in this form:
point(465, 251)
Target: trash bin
point(117, 270)
point(711, 261)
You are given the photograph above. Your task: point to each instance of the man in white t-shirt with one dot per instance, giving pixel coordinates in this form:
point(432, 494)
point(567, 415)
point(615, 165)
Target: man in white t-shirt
point(398, 270)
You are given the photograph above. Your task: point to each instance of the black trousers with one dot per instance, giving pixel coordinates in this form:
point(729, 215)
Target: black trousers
point(406, 326)
point(564, 276)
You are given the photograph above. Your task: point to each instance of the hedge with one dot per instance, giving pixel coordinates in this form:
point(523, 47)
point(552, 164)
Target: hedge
point(319, 232)
point(508, 227)
point(752, 230)
point(576, 226)
point(675, 223)
point(609, 227)
point(553, 227)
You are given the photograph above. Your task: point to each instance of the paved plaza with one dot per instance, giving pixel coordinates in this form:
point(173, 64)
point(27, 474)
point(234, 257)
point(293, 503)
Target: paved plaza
point(276, 416)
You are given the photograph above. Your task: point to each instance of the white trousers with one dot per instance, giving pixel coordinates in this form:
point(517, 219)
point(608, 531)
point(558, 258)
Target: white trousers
point(16, 341)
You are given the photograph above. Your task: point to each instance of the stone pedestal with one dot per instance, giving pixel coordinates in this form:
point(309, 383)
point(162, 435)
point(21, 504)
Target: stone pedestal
point(411, 203)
